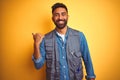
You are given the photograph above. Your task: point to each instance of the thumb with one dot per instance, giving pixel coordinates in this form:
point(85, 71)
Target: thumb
point(33, 34)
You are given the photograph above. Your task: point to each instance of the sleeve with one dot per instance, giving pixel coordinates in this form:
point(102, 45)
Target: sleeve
point(40, 61)
point(86, 57)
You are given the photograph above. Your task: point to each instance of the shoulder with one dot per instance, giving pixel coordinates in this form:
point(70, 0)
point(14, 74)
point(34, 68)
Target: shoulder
point(75, 32)
point(49, 34)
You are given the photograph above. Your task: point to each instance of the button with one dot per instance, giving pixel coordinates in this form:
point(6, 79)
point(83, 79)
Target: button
point(64, 76)
point(63, 57)
point(63, 47)
point(63, 66)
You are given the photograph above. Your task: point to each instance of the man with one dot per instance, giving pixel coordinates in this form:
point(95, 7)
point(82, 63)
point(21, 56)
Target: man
point(62, 49)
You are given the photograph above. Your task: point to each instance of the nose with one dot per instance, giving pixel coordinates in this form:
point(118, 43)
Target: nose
point(60, 17)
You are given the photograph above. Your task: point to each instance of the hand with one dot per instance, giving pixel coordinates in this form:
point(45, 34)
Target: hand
point(37, 38)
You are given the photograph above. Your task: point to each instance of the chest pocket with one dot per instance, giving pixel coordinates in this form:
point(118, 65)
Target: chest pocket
point(75, 58)
point(49, 52)
point(48, 48)
point(74, 53)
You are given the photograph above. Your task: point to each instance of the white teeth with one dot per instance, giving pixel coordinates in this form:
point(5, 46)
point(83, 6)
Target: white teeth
point(61, 21)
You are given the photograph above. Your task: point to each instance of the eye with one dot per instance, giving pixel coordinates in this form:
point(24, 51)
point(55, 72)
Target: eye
point(64, 14)
point(56, 15)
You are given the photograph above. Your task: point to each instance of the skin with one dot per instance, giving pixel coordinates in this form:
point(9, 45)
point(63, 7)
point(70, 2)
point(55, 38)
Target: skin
point(60, 18)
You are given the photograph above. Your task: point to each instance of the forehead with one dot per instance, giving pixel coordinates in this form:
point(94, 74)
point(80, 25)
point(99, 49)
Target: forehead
point(59, 10)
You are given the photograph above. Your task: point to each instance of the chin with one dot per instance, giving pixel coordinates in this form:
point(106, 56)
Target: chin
point(60, 27)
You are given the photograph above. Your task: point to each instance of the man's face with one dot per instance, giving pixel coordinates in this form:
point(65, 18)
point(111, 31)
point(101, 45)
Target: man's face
point(60, 17)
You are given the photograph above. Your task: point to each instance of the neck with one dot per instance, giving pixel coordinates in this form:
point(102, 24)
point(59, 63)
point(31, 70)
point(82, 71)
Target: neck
point(62, 31)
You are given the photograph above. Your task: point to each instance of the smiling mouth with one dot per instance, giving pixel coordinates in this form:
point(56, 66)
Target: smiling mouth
point(60, 22)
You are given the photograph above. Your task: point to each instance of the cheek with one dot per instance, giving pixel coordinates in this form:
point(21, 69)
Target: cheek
point(54, 19)
point(66, 18)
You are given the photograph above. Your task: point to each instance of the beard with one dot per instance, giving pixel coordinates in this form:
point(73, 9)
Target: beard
point(60, 25)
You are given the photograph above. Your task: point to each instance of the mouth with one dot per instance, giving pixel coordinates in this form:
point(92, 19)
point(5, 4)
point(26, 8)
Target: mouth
point(60, 22)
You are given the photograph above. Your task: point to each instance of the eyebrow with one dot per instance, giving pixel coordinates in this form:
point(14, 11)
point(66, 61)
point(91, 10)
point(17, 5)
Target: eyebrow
point(60, 12)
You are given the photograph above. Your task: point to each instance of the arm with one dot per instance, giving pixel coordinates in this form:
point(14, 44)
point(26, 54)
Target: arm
point(39, 52)
point(86, 58)
point(37, 40)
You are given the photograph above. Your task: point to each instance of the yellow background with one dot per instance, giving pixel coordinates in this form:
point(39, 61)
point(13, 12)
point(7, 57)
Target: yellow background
point(98, 19)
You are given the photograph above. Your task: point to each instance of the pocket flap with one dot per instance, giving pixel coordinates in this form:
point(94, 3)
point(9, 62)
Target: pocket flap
point(78, 54)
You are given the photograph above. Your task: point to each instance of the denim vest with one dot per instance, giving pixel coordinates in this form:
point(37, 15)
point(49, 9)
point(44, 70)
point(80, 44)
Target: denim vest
point(73, 56)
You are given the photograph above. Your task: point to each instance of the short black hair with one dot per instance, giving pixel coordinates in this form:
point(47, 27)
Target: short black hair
point(57, 5)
